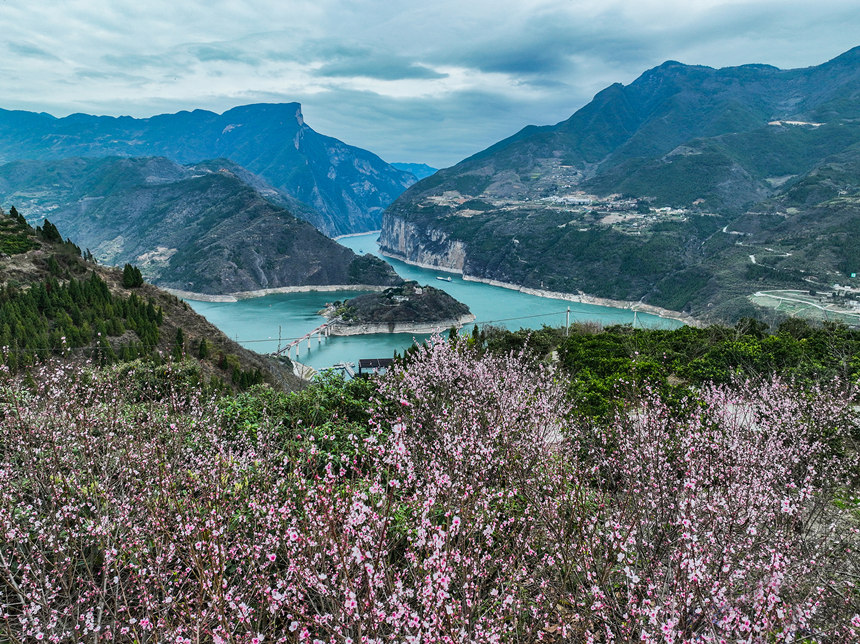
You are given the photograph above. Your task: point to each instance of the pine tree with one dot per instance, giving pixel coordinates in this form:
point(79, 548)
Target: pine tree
point(49, 232)
point(13, 212)
point(131, 276)
point(179, 344)
point(53, 266)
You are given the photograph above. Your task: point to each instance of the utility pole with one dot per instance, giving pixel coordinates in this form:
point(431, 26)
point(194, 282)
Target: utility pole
point(567, 323)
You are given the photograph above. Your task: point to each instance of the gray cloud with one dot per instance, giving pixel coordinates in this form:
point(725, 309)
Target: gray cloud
point(28, 50)
point(547, 45)
point(138, 61)
point(461, 124)
point(379, 67)
point(431, 82)
point(222, 53)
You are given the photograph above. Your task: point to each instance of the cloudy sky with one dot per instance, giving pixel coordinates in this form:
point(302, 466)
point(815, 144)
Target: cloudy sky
point(431, 81)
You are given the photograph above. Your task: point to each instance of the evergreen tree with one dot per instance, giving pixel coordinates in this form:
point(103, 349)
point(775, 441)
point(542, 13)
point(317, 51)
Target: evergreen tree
point(53, 266)
point(13, 212)
point(131, 276)
point(49, 233)
point(179, 344)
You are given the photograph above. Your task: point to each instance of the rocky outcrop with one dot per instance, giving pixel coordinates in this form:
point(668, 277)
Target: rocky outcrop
point(403, 309)
point(427, 248)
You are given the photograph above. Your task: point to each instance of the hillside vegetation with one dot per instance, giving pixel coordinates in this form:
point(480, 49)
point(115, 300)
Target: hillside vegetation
point(54, 302)
point(463, 496)
point(199, 228)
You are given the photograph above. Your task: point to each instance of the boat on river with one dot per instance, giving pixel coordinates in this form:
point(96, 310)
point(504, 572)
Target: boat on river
point(444, 279)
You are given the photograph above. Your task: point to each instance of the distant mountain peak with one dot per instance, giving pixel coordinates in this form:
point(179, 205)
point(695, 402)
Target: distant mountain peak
point(849, 58)
point(291, 109)
point(270, 140)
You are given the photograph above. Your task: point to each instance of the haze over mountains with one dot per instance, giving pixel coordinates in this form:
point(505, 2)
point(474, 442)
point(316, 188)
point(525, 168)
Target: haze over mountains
point(350, 187)
point(688, 189)
point(197, 228)
point(420, 170)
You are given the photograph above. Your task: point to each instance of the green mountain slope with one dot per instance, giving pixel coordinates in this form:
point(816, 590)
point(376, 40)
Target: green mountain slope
point(193, 228)
point(349, 186)
point(649, 192)
point(56, 304)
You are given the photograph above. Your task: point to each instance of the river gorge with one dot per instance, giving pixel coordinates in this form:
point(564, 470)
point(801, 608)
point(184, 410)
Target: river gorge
point(264, 323)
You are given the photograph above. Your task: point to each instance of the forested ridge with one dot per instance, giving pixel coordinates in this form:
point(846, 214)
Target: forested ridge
point(55, 301)
point(50, 317)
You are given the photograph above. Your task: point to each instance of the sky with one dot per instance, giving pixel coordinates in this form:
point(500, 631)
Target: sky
point(425, 82)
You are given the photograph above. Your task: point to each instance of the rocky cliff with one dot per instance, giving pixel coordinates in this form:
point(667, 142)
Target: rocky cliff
point(426, 247)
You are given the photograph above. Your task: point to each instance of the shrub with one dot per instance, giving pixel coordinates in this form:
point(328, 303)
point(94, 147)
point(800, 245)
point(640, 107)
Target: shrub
point(471, 508)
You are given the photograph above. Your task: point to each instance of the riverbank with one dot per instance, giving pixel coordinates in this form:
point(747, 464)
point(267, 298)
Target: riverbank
point(369, 232)
point(420, 328)
point(584, 298)
point(246, 295)
point(429, 267)
point(581, 298)
point(303, 371)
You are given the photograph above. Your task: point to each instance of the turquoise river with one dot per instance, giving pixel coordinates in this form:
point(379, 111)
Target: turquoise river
point(256, 323)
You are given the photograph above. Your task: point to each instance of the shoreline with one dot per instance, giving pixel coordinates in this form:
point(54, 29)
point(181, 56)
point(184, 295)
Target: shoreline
point(369, 232)
point(429, 267)
point(582, 298)
point(247, 295)
point(422, 328)
point(303, 371)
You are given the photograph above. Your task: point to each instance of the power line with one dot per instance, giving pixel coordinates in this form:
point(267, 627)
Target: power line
point(287, 340)
point(477, 322)
point(522, 317)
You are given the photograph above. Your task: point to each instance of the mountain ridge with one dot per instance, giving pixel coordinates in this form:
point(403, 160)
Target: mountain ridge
point(55, 304)
point(627, 198)
point(197, 228)
point(349, 186)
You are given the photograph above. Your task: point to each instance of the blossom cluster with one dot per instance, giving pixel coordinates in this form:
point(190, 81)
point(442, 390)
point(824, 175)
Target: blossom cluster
point(477, 508)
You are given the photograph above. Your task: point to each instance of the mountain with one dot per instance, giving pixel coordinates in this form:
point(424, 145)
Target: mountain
point(53, 303)
point(349, 186)
point(419, 170)
point(198, 228)
point(675, 190)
